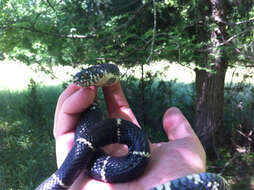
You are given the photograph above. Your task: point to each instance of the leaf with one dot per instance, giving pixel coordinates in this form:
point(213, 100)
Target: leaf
point(147, 35)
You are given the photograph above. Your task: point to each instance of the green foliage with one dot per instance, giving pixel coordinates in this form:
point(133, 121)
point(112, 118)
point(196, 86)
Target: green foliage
point(150, 104)
point(26, 136)
point(237, 168)
point(76, 32)
point(32, 107)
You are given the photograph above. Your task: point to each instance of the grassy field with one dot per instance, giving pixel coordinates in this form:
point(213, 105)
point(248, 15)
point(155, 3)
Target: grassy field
point(27, 109)
point(16, 76)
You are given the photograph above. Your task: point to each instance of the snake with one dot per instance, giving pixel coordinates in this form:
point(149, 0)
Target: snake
point(93, 131)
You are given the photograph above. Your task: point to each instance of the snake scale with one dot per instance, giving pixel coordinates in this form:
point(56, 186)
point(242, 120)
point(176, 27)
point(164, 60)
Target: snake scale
point(93, 132)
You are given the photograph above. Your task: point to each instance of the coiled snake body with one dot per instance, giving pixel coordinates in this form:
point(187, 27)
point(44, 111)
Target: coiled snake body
point(93, 132)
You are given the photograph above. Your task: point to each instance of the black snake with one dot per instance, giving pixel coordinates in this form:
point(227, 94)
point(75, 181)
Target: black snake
point(94, 132)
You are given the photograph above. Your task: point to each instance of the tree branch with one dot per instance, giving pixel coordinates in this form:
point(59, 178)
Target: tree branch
point(154, 32)
point(250, 58)
point(136, 13)
point(51, 6)
point(228, 40)
point(241, 22)
point(131, 18)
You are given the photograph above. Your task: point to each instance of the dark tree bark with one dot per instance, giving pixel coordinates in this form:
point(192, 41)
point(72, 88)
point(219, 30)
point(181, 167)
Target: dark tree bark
point(209, 107)
point(210, 85)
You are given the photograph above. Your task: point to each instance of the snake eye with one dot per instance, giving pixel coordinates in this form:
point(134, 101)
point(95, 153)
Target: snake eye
point(111, 81)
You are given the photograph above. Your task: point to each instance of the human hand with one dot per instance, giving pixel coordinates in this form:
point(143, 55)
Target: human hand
point(182, 155)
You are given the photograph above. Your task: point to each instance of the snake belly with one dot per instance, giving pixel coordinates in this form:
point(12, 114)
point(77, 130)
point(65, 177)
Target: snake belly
point(93, 132)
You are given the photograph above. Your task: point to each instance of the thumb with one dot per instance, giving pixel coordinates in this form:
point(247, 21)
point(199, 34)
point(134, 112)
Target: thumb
point(176, 125)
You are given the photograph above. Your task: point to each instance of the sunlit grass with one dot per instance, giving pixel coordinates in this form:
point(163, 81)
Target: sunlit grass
point(16, 76)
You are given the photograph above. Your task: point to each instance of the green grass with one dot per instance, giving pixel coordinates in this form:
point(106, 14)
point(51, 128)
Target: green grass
point(27, 145)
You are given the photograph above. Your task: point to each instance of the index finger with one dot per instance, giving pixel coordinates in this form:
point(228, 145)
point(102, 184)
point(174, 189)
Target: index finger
point(117, 104)
point(70, 104)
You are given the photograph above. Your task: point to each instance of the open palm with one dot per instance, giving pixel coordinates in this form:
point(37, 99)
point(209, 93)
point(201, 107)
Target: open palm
point(182, 155)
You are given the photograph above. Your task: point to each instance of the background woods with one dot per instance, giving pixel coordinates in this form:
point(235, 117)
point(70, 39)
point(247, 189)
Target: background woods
point(208, 36)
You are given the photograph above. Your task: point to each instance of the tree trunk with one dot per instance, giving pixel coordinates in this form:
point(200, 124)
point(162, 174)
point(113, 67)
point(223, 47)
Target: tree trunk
point(210, 85)
point(209, 107)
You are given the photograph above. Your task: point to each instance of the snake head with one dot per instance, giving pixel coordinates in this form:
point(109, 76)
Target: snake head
point(97, 75)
